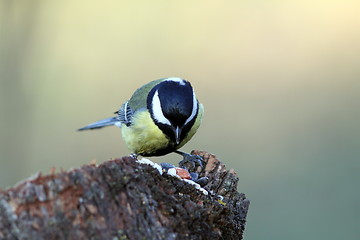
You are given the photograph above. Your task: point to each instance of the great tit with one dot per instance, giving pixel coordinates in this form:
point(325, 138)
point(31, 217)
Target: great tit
point(159, 118)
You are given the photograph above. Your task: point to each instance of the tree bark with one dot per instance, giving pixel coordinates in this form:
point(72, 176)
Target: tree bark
point(125, 199)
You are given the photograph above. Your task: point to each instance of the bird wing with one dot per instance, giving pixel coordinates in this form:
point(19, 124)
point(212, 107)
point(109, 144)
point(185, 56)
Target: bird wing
point(125, 114)
point(138, 102)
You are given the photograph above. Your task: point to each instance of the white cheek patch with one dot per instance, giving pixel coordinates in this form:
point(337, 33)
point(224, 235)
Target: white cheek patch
point(157, 111)
point(194, 110)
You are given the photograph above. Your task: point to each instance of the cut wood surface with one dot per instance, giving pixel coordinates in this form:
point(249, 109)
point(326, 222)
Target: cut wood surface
point(125, 199)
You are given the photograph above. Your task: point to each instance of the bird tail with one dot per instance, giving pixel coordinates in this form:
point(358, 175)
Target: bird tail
point(101, 123)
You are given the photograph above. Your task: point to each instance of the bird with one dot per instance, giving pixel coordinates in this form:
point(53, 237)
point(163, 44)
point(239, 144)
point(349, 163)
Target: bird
point(158, 119)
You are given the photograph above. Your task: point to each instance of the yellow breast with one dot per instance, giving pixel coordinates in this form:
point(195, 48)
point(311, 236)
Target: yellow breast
point(143, 136)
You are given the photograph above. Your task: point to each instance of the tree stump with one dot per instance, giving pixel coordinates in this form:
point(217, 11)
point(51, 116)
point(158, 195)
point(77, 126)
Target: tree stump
point(125, 199)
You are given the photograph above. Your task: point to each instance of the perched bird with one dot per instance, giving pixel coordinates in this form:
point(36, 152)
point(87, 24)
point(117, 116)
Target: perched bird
point(159, 118)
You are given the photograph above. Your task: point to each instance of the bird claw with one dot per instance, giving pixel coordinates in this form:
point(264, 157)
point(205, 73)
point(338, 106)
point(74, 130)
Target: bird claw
point(192, 160)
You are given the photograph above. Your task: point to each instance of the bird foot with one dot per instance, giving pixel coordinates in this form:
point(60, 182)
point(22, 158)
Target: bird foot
point(190, 161)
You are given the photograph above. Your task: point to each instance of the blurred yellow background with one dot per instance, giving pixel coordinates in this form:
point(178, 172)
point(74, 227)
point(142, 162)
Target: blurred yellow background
point(279, 81)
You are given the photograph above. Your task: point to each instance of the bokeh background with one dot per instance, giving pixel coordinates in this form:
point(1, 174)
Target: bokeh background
point(279, 81)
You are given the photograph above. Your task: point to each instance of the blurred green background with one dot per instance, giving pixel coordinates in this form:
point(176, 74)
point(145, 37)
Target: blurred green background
point(279, 81)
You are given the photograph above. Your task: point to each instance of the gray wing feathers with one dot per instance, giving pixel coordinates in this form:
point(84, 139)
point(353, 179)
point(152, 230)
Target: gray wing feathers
point(125, 114)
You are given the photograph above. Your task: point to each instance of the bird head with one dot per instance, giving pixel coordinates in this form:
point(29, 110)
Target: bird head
point(173, 107)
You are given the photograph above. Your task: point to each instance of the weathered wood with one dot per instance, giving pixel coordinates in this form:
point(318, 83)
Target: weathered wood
point(124, 199)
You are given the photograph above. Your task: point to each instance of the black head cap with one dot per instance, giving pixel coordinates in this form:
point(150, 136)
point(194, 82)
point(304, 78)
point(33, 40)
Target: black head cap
point(176, 101)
